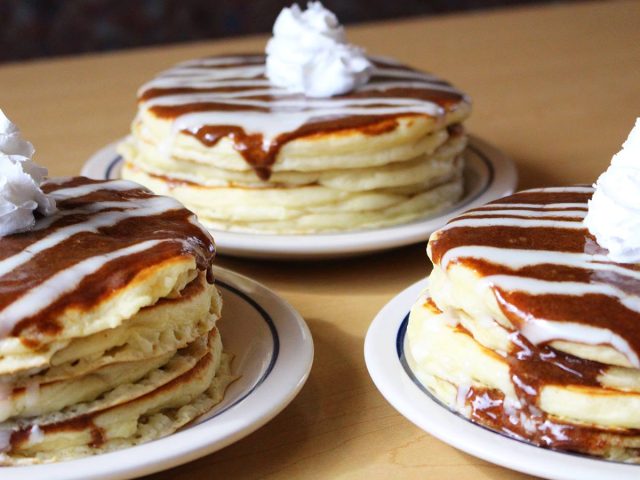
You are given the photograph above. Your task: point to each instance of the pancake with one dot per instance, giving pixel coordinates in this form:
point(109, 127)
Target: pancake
point(166, 324)
point(108, 318)
point(156, 405)
point(215, 129)
point(529, 328)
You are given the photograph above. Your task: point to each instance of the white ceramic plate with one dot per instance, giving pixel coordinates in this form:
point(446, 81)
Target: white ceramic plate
point(384, 355)
point(273, 354)
point(489, 174)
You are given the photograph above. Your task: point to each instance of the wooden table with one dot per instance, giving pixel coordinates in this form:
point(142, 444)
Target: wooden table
point(556, 87)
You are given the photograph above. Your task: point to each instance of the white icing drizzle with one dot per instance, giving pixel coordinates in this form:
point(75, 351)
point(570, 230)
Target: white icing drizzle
point(557, 431)
point(141, 208)
point(82, 190)
point(65, 281)
point(384, 85)
point(193, 220)
point(36, 435)
point(540, 331)
point(220, 61)
point(5, 440)
point(567, 189)
point(86, 209)
point(260, 85)
point(536, 206)
point(460, 222)
point(526, 213)
point(483, 401)
point(461, 396)
point(285, 111)
point(248, 71)
point(534, 286)
point(518, 258)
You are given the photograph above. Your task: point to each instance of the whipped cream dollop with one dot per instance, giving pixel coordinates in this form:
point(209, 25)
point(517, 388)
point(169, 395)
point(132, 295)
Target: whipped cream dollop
point(614, 210)
point(20, 179)
point(308, 53)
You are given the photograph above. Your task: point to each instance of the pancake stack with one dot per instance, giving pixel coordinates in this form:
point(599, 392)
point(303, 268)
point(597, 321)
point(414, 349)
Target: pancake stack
point(529, 329)
point(248, 156)
point(107, 324)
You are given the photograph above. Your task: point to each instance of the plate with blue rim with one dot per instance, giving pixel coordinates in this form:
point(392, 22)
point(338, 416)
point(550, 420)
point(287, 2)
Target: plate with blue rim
point(488, 174)
point(272, 353)
point(384, 352)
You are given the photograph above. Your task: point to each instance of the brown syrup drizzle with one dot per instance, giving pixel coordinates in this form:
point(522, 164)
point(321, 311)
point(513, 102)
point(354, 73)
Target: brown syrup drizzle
point(251, 145)
point(488, 409)
point(531, 368)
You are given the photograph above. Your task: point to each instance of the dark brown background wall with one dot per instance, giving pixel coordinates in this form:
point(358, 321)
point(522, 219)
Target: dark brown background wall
point(37, 28)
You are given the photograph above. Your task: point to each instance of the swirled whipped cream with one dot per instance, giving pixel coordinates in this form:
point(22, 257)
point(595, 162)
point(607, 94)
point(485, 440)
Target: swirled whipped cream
point(308, 53)
point(20, 179)
point(614, 210)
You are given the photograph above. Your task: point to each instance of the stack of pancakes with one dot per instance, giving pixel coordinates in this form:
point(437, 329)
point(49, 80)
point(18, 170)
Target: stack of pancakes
point(528, 328)
point(107, 324)
point(248, 156)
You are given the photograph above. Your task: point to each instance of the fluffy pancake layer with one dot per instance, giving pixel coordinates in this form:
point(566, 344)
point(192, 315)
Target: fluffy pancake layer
point(529, 328)
point(107, 324)
point(157, 404)
point(248, 156)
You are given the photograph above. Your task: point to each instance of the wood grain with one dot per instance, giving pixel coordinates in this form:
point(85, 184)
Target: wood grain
point(556, 87)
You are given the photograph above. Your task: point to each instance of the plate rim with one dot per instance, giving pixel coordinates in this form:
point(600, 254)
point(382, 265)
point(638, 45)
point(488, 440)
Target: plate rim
point(401, 391)
point(294, 341)
point(502, 181)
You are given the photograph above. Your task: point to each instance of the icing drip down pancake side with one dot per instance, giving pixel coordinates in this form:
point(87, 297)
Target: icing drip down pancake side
point(528, 327)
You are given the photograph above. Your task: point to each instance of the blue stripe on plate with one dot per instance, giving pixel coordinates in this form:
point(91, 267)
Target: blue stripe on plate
point(400, 338)
point(490, 178)
point(274, 336)
point(109, 172)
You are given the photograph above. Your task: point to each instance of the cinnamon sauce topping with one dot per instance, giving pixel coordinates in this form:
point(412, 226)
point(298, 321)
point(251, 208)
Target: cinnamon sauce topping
point(230, 97)
point(531, 368)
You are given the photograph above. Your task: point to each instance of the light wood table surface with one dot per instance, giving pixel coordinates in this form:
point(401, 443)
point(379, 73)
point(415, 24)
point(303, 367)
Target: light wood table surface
point(556, 87)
